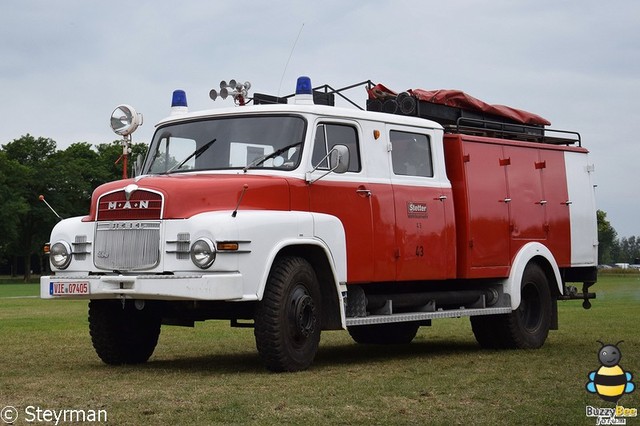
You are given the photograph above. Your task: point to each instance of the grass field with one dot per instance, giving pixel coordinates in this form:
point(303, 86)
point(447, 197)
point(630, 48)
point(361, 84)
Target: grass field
point(212, 375)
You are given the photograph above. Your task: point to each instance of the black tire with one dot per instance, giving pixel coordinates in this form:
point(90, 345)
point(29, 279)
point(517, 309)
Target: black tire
point(489, 331)
point(288, 318)
point(399, 333)
point(123, 335)
point(525, 328)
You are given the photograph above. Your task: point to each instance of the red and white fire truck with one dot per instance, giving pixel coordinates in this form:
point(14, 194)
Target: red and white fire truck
point(292, 216)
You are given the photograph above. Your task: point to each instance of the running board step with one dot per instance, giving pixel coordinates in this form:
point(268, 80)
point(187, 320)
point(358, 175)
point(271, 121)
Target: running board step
point(420, 316)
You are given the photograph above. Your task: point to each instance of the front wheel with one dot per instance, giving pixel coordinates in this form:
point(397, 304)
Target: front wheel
point(528, 326)
point(288, 318)
point(123, 334)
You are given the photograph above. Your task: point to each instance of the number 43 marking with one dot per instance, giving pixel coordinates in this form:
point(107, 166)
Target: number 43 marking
point(419, 251)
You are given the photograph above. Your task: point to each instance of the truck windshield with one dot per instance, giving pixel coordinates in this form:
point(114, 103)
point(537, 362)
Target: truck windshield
point(227, 143)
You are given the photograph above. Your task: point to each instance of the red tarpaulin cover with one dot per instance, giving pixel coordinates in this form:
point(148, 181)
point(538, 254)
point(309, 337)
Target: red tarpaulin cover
point(459, 99)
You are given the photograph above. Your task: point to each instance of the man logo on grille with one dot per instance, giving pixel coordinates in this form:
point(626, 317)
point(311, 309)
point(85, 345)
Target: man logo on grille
point(125, 205)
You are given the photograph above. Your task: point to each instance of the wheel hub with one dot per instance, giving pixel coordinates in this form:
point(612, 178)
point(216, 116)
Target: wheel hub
point(302, 315)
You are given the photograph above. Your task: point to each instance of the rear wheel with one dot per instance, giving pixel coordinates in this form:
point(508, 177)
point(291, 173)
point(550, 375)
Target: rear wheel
point(528, 326)
point(123, 334)
point(400, 333)
point(288, 319)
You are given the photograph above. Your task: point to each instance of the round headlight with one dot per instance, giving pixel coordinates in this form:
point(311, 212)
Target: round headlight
point(60, 254)
point(203, 253)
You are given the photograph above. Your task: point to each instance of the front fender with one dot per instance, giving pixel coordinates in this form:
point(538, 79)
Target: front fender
point(67, 230)
point(270, 232)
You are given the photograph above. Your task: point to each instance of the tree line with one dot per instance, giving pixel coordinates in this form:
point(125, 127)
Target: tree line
point(33, 166)
point(30, 167)
point(612, 249)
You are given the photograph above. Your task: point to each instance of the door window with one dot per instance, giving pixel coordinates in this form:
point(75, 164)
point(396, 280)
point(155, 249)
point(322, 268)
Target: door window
point(329, 135)
point(411, 154)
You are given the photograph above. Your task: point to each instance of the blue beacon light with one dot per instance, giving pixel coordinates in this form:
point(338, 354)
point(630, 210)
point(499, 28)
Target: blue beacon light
point(179, 102)
point(303, 86)
point(304, 91)
point(179, 99)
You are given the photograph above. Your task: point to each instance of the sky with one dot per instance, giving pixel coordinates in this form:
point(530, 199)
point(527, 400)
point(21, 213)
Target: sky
point(65, 65)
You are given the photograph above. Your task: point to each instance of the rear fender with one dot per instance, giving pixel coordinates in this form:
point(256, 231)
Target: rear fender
point(526, 254)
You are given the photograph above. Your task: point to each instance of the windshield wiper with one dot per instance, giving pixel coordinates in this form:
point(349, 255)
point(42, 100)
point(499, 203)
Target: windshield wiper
point(265, 157)
point(197, 153)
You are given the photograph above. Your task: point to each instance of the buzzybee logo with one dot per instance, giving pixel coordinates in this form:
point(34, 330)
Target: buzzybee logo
point(610, 382)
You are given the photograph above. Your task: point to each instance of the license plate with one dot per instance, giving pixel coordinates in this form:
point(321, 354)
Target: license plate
point(68, 288)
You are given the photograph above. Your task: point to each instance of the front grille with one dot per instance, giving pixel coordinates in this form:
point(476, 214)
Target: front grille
point(127, 245)
point(182, 246)
point(80, 247)
point(139, 205)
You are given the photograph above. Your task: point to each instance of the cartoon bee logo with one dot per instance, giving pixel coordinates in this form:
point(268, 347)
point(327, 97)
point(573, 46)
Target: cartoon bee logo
point(610, 381)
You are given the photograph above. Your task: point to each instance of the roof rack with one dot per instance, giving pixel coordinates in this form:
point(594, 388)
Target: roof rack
point(453, 119)
point(322, 95)
point(496, 129)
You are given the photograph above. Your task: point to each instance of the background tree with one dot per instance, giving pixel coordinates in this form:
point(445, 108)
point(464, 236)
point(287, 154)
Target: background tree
point(14, 205)
point(109, 155)
point(629, 250)
point(33, 223)
point(607, 239)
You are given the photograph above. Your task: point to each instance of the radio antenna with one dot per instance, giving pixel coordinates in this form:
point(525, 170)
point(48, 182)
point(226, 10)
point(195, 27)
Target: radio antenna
point(41, 198)
point(289, 58)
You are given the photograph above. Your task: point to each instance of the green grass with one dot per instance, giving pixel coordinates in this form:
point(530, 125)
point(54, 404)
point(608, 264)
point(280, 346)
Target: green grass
point(19, 290)
point(212, 374)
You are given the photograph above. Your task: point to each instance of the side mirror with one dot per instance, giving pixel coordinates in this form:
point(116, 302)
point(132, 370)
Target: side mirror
point(339, 159)
point(338, 162)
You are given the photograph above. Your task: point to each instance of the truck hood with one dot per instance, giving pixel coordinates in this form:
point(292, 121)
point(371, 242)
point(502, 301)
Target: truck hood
point(180, 196)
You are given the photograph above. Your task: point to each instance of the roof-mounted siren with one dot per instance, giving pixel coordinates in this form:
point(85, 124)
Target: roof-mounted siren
point(304, 91)
point(179, 102)
point(238, 91)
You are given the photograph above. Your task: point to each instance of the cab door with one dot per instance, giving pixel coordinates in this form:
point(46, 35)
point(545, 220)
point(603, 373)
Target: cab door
point(424, 232)
point(346, 196)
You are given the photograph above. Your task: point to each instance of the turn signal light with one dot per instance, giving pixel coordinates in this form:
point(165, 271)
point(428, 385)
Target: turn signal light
point(227, 246)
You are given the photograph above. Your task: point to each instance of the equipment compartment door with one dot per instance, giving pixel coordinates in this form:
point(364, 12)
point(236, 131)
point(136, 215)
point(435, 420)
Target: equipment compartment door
point(527, 206)
point(488, 203)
